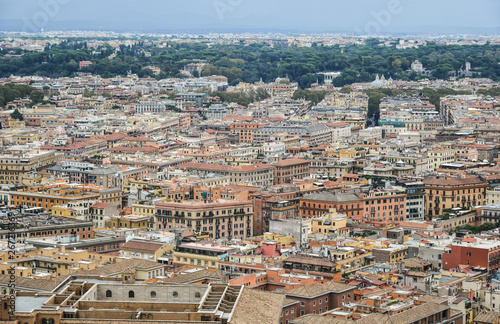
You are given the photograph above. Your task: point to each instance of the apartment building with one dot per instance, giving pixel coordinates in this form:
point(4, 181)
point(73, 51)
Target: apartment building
point(220, 219)
point(14, 165)
point(287, 170)
point(447, 193)
point(317, 204)
point(259, 175)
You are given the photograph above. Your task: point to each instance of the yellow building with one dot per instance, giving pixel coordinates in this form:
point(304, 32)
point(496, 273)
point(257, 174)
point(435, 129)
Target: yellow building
point(438, 156)
point(200, 255)
point(52, 262)
point(284, 240)
point(330, 223)
point(27, 138)
point(349, 259)
point(143, 209)
point(73, 209)
point(346, 153)
point(145, 250)
point(130, 221)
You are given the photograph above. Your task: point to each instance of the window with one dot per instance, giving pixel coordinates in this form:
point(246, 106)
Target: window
point(109, 293)
point(314, 303)
point(326, 299)
point(302, 313)
point(131, 294)
point(303, 304)
point(197, 296)
point(153, 294)
point(175, 295)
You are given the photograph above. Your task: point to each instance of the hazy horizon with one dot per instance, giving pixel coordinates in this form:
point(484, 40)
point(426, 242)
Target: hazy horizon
point(198, 16)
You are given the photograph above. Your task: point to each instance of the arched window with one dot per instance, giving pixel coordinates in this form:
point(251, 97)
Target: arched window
point(153, 294)
point(109, 293)
point(44, 321)
point(197, 296)
point(175, 294)
point(131, 294)
point(50, 321)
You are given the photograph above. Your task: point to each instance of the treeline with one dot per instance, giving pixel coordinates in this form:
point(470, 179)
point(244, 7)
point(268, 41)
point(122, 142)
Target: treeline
point(241, 98)
point(10, 91)
point(314, 96)
point(359, 63)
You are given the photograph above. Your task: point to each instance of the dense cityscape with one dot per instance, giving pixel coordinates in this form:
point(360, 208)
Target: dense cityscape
point(249, 178)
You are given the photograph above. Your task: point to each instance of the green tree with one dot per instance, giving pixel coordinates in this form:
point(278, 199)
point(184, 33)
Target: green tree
point(17, 115)
point(36, 95)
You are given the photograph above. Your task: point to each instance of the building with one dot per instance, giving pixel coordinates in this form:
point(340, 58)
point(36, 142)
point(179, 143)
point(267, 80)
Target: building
point(317, 204)
point(473, 252)
point(147, 250)
point(153, 106)
point(385, 206)
point(259, 175)
point(287, 170)
point(318, 298)
point(313, 134)
point(449, 193)
point(13, 166)
point(200, 255)
point(193, 96)
point(220, 219)
point(392, 254)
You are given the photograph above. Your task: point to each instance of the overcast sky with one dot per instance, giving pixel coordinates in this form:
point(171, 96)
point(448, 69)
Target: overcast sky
point(361, 16)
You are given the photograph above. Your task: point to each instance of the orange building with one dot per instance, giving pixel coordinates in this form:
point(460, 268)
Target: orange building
point(385, 206)
point(245, 130)
point(316, 204)
point(272, 279)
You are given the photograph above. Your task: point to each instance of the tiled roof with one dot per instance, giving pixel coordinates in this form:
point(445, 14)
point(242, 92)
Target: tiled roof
point(219, 167)
point(318, 319)
point(486, 317)
point(330, 197)
point(453, 181)
point(29, 283)
point(141, 246)
point(257, 306)
point(289, 162)
point(118, 267)
point(317, 289)
point(194, 276)
point(417, 313)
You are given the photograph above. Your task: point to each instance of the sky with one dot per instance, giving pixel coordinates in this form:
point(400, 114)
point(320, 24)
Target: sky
point(201, 16)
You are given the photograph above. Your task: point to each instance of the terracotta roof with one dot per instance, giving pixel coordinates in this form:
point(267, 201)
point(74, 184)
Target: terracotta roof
point(30, 283)
point(486, 317)
point(257, 306)
point(115, 136)
point(100, 205)
point(219, 167)
point(194, 276)
point(453, 181)
point(141, 246)
point(289, 162)
point(119, 267)
point(317, 289)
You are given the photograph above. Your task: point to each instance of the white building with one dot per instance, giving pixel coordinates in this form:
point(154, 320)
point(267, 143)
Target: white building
point(274, 149)
point(154, 106)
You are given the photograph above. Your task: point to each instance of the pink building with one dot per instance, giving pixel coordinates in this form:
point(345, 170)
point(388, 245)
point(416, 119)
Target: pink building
point(271, 249)
point(84, 64)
